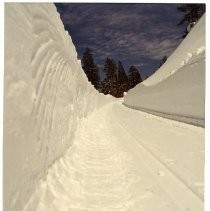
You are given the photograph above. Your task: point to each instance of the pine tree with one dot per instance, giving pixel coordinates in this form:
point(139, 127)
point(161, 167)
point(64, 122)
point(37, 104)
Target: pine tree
point(192, 13)
point(134, 77)
point(123, 84)
point(100, 86)
point(105, 86)
point(90, 68)
point(110, 82)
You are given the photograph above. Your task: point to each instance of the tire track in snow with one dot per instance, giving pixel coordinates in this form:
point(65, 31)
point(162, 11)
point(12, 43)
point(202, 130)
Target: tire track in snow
point(91, 176)
point(100, 173)
point(154, 157)
point(185, 119)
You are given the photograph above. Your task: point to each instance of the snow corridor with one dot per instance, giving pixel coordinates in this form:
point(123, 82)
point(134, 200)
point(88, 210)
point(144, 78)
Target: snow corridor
point(69, 148)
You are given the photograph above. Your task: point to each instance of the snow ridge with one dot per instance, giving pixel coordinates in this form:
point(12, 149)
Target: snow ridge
point(177, 89)
point(46, 95)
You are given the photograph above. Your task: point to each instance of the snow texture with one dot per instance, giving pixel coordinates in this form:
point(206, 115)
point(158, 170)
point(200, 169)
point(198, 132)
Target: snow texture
point(69, 148)
point(46, 94)
point(177, 89)
point(122, 160)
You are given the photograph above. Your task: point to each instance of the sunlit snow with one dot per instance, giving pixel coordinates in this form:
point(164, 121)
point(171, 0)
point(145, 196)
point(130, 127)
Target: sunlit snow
point(69, 148)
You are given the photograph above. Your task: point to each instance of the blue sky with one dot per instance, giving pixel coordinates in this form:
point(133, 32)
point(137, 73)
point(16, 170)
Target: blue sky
point(135, 34)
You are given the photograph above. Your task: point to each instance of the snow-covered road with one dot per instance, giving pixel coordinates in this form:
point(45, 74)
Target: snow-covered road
point(69, 148)
point(124, 159)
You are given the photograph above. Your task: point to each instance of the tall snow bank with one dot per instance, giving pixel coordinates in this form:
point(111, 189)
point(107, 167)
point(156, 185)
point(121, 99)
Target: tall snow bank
point(46, 94)
point(177, 89)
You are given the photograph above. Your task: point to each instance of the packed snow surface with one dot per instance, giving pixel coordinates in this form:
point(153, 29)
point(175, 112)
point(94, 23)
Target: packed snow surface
point(123, 160)
point(177, 89)
point(69, 148)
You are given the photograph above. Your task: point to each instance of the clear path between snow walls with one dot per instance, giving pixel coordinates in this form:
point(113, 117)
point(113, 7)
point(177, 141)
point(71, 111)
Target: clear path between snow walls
point(177, 89)
point(46, 95)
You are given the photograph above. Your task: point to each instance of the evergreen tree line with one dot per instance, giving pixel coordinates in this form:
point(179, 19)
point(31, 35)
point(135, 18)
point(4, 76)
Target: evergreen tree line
point(116, 81)
point(191, 14)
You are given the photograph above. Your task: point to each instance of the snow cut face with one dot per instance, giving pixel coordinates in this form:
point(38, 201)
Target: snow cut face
point(177, 89)
point(46, 94)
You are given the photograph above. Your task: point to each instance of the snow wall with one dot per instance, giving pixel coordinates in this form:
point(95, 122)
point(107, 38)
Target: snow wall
point(177, 89)
point(46, 95)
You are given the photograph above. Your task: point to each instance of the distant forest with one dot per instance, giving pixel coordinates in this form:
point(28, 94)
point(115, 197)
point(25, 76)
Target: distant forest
point(116, 81)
